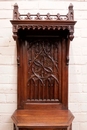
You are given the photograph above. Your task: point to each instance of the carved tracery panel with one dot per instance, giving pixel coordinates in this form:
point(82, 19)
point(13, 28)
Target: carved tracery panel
point(43, 70)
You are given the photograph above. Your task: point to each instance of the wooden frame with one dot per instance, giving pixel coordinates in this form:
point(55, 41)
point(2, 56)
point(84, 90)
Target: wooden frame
point(42, 58)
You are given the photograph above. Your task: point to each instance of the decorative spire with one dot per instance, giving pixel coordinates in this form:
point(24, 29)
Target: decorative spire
point(15, 12)
point(71, 12)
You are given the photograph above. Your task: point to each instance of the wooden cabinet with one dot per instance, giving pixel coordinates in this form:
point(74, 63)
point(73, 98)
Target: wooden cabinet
point(42, 59)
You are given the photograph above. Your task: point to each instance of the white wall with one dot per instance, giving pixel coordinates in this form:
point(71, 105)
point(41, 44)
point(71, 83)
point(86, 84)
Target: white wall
point(78, 59)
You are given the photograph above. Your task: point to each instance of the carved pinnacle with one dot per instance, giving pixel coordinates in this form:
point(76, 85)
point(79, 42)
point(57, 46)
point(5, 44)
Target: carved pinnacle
point(15, 12)
point(71, 12)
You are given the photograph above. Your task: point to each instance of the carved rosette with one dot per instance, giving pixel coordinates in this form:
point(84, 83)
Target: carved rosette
point(48, 21)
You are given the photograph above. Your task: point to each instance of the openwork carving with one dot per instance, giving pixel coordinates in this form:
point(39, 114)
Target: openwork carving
point(48, 21)
point(38, 16)
point(28, 16)
point(43, 70)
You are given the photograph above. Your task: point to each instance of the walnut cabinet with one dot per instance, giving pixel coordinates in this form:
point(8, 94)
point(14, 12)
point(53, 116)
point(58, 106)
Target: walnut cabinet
point(42, 75)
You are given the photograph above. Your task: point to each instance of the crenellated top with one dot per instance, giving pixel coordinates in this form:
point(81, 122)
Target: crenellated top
point(37, 21)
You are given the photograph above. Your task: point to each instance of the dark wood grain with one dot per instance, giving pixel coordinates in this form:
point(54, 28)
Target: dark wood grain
point(42, 73)
point(42, 118)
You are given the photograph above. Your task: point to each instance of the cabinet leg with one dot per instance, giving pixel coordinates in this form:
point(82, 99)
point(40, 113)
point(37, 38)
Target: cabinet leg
point(15, 127)
point(70, 127)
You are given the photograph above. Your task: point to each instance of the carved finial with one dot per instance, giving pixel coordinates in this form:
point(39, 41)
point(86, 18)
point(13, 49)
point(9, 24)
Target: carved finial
point(71, 6)
point(71, 12)
point(15, 5)
point(15, 12)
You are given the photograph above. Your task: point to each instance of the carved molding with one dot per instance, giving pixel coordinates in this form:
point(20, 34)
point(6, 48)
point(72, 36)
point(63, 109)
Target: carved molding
point(48, 21)
point(38, 16)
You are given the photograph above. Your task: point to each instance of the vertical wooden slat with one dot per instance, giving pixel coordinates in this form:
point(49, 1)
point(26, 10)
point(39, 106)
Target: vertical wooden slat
point(58, 55)
point(64, 77)
point(46, 89)
point(49, 92)
point(54, 91)
point(53, 71)
point(22, 94)
point(63, 68)
point(59, 64)
point(57, 69)
point(67, 43)
point(34, 91)
point(43, 92)
point(38, 90)
point(30, 90)
point(19, 74)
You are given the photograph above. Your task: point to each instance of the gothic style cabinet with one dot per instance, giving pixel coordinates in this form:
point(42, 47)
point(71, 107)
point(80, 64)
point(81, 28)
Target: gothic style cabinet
point(42, 59)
